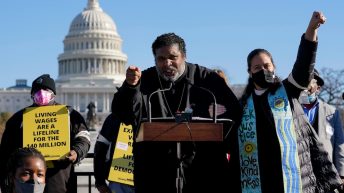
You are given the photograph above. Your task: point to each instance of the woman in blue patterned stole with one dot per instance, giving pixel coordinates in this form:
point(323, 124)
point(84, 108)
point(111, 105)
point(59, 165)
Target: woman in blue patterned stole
point(275, 149)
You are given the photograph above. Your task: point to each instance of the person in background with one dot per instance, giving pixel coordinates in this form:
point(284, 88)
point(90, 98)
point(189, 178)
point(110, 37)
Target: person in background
point(326, 121)
point(103, 153)
point(26, 171)
point(275, 148)
point(204, 164)
point(60, 178)
point(220, 108)
point(222, 74)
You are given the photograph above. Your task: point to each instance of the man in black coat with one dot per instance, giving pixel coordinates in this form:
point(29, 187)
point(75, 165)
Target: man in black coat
point(204, 163)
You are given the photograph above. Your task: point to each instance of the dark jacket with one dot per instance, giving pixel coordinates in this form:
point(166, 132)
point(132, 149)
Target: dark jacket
point(318, 174)
point(156, 162)
point(330, 131)
point(58, 179)
point(104, 149)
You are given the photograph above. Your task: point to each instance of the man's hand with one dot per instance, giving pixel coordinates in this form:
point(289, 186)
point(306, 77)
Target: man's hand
point(72, 156)
point(133, 75)
point(220, 109)
point(317, 19)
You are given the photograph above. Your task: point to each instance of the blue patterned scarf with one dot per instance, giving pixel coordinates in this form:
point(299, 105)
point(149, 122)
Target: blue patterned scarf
point(248, 146)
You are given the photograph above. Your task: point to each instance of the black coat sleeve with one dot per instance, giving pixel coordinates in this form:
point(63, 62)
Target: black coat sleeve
point(106, 141)
point(99, 167)
point(302, 72)
point(127, 103)
point(11, 140)
point(225, 96)
point(80, 136)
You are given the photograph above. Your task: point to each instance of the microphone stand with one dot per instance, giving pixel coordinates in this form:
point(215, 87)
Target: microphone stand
point(149, 101)
point(213, 96)
point(214, 110)
point(180, 173)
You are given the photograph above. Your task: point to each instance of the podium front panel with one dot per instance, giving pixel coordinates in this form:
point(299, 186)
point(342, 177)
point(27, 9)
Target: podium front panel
point(172, 131)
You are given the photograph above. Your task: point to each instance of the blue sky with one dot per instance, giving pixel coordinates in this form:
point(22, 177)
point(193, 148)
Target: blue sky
point(218, 33)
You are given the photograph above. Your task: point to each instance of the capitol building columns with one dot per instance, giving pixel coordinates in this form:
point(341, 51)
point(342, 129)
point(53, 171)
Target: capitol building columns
point(80, 100)
point(86, 66)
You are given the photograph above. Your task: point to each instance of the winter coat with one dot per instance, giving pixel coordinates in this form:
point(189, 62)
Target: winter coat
point(59, 179)
point(204, 163)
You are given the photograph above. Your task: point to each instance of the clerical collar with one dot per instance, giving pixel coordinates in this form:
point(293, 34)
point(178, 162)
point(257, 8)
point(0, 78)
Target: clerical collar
point(260, 92)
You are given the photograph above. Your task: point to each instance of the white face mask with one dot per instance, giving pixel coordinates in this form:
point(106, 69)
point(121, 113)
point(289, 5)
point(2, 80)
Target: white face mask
point(312, 97)
point(307, 98)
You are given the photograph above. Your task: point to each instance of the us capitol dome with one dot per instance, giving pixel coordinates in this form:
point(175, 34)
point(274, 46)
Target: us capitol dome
point(92, 64)
point(90, 68)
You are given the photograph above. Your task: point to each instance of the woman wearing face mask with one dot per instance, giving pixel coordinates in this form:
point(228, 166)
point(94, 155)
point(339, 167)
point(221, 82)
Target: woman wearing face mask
point(26, 171)
point(275, 149)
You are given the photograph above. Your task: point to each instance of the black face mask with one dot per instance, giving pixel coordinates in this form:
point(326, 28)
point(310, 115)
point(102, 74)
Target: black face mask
point(263, 79)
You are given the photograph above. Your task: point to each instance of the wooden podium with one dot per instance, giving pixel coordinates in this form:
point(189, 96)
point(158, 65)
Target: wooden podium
point(172, 131)
point(178, 132)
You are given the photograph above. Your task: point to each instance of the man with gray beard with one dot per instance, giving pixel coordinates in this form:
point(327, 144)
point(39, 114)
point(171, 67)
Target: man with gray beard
point(205, 163)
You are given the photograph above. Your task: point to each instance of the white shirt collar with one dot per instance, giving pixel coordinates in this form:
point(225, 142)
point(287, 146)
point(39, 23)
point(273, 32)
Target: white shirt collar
point(260, 92)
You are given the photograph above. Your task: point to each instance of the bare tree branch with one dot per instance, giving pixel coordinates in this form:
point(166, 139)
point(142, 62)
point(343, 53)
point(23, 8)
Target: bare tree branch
point(331, 91)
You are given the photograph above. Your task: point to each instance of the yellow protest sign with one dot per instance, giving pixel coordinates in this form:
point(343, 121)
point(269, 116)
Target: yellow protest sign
point(122, 166)
point(46, 128)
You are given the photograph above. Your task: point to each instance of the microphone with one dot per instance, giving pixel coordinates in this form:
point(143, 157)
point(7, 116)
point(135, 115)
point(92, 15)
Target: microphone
point(149, 100)
point(188, 81)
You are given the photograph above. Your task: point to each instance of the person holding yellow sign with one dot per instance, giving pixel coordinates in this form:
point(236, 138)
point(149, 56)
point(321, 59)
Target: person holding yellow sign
point(58, 131)
point(113, 158)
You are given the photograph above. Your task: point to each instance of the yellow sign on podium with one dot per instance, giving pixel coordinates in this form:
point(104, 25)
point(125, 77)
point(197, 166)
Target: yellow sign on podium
point(122, 166)
point(46, 128)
